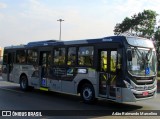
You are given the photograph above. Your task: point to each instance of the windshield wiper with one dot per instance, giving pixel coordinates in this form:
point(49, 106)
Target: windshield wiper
point(148, 56)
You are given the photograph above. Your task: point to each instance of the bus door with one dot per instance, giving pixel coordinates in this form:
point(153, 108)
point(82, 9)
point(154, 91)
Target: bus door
point(107, 75)
point(10, 62)
point(45, 65)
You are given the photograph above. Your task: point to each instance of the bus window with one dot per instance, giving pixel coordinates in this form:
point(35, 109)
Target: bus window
point(32, 56)
point(59, 56)
point(85, 56)
point(5, 58)
point(103, 60)
point(119, 63)
point(113, 61)
point(20, 56)
point(71, 56)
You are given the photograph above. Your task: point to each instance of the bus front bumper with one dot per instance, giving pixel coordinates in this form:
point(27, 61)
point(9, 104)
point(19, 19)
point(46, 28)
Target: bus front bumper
point(132, 95)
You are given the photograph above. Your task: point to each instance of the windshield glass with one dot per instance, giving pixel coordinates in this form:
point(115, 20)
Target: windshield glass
point(143, 62)
point(142, 42)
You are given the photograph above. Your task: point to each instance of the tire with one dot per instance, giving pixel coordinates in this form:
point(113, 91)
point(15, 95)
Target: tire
point(88, 94)
point(24, 83)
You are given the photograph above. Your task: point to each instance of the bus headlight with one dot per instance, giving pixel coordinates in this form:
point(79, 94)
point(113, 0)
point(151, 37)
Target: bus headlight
point(128, 85)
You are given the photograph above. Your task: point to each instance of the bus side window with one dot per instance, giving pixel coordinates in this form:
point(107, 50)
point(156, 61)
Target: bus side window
point(20, 56)
point(119, 63)
point(5, 58)
point(104, 60)
point(85, 56)
point(59, 56)
point(32, 56)
point(113, 61)
point(71, 56)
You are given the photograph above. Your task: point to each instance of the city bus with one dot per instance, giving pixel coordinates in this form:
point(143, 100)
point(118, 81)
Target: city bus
point(115, 68)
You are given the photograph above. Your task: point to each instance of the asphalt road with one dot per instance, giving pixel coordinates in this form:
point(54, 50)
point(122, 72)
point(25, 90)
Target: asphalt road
point(12, 98)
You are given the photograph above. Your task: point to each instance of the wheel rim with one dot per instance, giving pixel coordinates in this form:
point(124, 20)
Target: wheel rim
point(87, 93)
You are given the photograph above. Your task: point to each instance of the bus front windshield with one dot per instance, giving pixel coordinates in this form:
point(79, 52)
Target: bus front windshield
point(143, 62)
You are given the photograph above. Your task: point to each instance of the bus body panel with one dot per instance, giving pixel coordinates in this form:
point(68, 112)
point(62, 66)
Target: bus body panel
point(68, 87)
point(55, 85)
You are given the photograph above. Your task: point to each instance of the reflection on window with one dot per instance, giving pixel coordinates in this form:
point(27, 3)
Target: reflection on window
point(119, 63)
point(44, 60)
point(32, 56)
point(103, 60)
point(59, 56)
point(85, 56)
point(71, 56)
point(113, 61)
point(142, 60)
point(20, 56)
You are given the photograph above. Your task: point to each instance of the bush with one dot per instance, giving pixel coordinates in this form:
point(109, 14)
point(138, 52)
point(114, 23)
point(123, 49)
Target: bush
point(158, 74)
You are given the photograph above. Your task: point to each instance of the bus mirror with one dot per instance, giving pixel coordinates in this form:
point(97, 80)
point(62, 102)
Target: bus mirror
point(129, 55)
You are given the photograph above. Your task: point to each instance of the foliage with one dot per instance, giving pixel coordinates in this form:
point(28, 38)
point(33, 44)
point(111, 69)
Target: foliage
point(157, 43)
point(141, 24)
point(157, 35)
point(158, 74)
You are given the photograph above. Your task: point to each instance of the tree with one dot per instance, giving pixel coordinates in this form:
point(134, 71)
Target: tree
point(157, 43)
point(141, 24)
point(126, 25)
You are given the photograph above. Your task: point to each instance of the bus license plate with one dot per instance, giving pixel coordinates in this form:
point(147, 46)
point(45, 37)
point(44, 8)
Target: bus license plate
point(145, 93)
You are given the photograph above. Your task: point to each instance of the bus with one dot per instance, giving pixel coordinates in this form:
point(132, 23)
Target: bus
point(115, 68)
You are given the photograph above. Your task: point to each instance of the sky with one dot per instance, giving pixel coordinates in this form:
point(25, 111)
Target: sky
point(23, 21)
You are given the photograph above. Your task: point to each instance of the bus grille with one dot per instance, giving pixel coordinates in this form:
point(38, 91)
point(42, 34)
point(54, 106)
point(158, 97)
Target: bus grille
point(145, 87)
point(144, 81)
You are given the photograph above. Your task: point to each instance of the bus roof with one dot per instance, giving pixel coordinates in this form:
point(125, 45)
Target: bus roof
point(119, 39)
point(74, 42)
point(15, 47)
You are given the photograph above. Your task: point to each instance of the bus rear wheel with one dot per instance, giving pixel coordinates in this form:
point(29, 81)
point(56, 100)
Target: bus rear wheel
point(87, 93)
point(24, 83)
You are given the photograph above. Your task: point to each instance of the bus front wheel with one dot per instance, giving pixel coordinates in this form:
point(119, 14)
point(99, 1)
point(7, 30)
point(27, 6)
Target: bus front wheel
point(24, 83)
point(88, 93)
